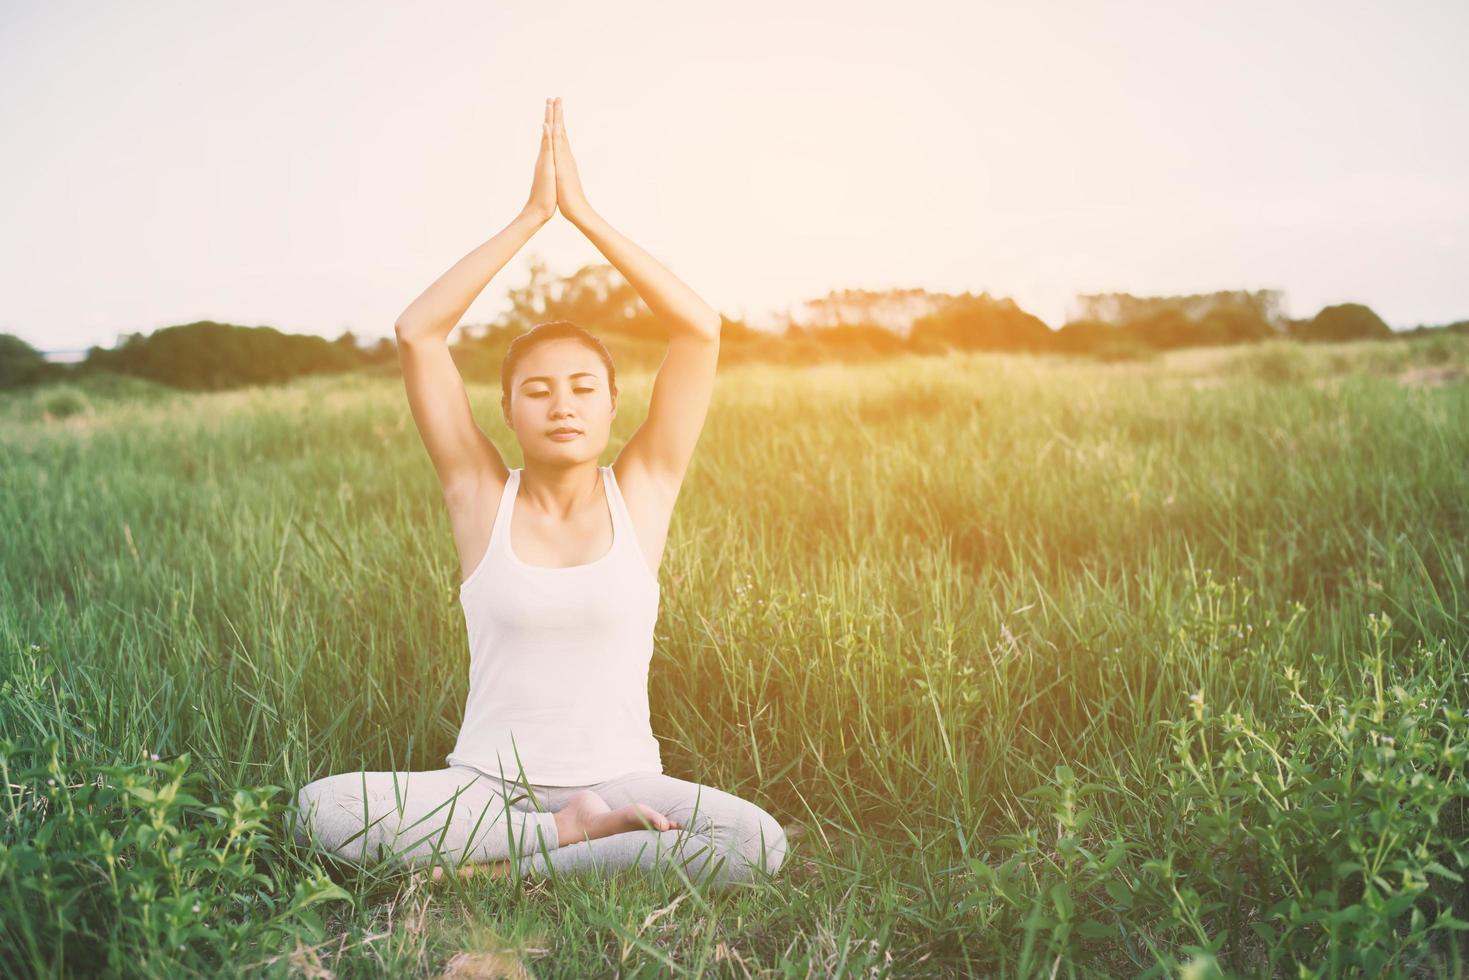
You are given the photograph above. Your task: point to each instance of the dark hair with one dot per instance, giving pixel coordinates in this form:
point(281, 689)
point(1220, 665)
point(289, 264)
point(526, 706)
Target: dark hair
point(539, 334)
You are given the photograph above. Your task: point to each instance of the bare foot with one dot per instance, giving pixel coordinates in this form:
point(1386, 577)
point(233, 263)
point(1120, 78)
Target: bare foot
point(634, 816)
point(588, 817)
point(580, 812)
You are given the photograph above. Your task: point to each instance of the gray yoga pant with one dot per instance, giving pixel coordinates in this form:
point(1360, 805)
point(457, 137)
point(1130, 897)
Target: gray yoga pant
point(460, 815)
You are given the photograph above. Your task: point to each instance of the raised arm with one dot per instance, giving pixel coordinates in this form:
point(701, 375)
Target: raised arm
point(663, 445)
point(461, 453)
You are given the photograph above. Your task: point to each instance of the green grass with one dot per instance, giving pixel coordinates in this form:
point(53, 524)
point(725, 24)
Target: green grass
point(1049, 667)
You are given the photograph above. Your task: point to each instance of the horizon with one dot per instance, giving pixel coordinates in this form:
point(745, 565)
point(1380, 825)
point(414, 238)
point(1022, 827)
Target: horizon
point(365, 341)
point(314, 169)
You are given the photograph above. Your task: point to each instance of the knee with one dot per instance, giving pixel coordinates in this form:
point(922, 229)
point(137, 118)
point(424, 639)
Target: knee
point(757, 842)
point(304, 818)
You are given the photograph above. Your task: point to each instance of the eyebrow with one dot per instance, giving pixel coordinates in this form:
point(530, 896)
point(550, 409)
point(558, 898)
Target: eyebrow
point(539, 377)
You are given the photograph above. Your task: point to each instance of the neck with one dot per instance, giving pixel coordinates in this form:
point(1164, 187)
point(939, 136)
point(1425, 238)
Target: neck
point(560, 490)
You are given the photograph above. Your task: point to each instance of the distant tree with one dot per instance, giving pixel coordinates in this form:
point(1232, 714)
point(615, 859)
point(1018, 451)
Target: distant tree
point(1228, 324)
point(1085, 336)
point(983, 322)
point(849, 338)
point(595, 297)
point(738, 331)
point(1344, 321)
point(209, 355)
point(529, 303)
point(383, 350)
point(894, 309)
point(20, 363)
point(1265, 304)
point(1221, 317)
point(1163, 328)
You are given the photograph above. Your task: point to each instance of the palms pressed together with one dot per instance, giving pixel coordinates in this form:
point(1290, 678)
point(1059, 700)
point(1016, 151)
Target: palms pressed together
point(557, 182)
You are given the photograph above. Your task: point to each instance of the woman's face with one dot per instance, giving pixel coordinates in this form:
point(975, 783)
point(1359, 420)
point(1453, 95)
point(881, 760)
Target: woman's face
point(561, 384)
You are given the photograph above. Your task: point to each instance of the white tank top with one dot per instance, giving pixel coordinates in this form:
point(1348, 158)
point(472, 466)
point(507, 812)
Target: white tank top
point(558, 659)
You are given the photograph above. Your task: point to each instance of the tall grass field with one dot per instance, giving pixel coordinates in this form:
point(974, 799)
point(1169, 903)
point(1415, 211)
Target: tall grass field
point(1048, 666)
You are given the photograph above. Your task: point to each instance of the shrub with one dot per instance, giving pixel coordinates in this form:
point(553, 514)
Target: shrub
point(1346, 817)
point(1345, 321)
point(20, 363)
point(63, 401)
point(124, 870)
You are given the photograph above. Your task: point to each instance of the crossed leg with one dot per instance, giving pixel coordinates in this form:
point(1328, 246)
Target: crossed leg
point(721, 839)
point(453, 815)
point(461, 817)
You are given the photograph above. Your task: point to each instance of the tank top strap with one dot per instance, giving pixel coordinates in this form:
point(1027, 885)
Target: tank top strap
point(500, 532)
point(620, 513)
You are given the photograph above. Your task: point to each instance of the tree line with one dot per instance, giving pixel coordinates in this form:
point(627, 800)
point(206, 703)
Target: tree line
point(843, 325)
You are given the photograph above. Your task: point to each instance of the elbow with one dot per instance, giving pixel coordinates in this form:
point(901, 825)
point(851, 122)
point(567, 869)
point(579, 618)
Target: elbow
point(406, 331)
point(421, 331)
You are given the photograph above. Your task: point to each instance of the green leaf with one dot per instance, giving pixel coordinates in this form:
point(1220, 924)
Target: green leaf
point(1119, 891)
point(1061, 898)
point(1439, 869)
point(982, 872)
point(1114, 857)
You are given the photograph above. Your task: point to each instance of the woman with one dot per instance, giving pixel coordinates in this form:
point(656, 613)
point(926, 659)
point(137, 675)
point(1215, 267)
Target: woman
point(556, 768)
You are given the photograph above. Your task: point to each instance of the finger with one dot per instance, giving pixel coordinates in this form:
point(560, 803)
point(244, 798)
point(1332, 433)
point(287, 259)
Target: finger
point(550, 115)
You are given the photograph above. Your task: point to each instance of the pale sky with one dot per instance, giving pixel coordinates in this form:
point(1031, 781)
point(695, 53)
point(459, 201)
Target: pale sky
point(314, 166)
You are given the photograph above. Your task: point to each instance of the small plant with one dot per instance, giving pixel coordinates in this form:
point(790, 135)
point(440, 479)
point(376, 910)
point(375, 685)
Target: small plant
point(123, 870)
point(1331, 841)
point(1335, 834)
point(63, 401)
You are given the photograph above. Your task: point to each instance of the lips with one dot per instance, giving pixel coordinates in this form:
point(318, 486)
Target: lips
point(564, 432)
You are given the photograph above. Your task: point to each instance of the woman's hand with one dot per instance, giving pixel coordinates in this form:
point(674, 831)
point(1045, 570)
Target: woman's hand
point(569, 196)
point(542, 203)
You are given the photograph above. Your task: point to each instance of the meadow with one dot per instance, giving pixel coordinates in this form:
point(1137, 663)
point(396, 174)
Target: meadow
point(1049, 667)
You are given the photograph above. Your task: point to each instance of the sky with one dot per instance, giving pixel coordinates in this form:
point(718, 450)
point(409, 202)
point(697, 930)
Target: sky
point(314, 167)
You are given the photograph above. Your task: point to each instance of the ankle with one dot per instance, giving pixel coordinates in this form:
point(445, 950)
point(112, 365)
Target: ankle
point(569, 827)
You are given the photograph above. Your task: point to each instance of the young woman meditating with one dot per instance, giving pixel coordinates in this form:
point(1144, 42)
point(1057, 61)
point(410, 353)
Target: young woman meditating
point(556, 767)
